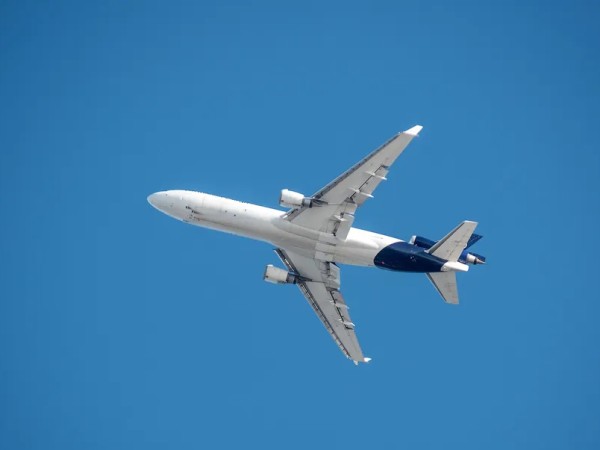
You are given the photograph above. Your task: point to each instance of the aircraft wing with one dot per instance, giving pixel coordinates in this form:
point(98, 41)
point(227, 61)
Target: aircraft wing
point(334, 205)
point(319, 281)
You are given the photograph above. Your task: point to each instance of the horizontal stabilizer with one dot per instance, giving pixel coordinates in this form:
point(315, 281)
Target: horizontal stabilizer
point(474, 238)
point(452, 245)
point(445, 283)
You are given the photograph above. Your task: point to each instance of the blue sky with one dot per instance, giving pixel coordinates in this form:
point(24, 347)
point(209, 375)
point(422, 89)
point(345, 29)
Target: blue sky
point(121, 328)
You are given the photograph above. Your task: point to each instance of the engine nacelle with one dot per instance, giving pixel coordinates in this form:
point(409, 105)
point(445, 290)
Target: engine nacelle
point(291, 199)
point(276, 275)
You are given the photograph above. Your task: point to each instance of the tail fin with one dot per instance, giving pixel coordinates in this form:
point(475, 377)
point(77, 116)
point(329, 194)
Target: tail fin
point(452, 245)
point(445, 283)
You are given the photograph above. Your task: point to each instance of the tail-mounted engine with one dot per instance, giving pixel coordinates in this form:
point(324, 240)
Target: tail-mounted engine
point(276, 275)
point(291, 199)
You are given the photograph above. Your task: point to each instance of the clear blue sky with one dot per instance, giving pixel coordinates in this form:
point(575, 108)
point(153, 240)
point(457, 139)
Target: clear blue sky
point(121, 328)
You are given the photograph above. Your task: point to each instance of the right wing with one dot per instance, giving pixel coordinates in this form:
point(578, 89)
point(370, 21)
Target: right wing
point(319, 281)
point(336, 203)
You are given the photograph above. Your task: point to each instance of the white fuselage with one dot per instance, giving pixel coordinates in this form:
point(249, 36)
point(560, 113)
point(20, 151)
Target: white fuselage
point(266, 224)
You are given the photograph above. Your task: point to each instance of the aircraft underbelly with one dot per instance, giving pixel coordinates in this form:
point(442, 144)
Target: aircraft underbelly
point(268, 225)
point(359, 249)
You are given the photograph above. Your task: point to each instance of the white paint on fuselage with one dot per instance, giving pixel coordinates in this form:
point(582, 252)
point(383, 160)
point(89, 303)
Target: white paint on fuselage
point(266, 224)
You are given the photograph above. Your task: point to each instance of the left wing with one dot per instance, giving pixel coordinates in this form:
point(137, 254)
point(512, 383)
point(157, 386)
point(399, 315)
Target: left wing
point(319, 281)
point(334, 205)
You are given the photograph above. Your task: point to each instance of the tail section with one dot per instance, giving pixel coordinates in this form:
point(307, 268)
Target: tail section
point(452, 245)
point(445, 283)
point(451, 248)
point(478, 258)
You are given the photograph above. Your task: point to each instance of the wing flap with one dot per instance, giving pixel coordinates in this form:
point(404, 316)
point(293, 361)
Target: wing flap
point(342, 225)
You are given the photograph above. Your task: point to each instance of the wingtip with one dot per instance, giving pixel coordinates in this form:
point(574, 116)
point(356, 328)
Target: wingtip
point(414, 131)
point(364, 360)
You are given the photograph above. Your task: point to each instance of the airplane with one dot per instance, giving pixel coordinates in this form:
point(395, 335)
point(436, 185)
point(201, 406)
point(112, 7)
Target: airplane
point(316, 234)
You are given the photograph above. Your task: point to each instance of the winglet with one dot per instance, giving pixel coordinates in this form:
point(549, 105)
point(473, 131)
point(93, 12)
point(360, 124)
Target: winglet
point(414, 131)
point(367, 360)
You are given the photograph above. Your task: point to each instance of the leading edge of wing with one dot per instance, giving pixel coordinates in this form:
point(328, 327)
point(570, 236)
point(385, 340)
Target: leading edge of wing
point(412, 132)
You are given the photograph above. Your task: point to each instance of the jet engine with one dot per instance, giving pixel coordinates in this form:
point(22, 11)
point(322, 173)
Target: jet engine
point(291, 199)
point(276, 275)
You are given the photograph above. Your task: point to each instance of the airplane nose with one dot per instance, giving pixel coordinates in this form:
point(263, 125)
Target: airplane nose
point(159, 200)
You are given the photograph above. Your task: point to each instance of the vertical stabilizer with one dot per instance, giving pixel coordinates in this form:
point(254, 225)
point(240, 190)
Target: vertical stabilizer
point(445, 283)
point(452, 245)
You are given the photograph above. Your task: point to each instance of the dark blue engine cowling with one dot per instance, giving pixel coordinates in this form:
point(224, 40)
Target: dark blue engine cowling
point(405, 257)
point(423, 242)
